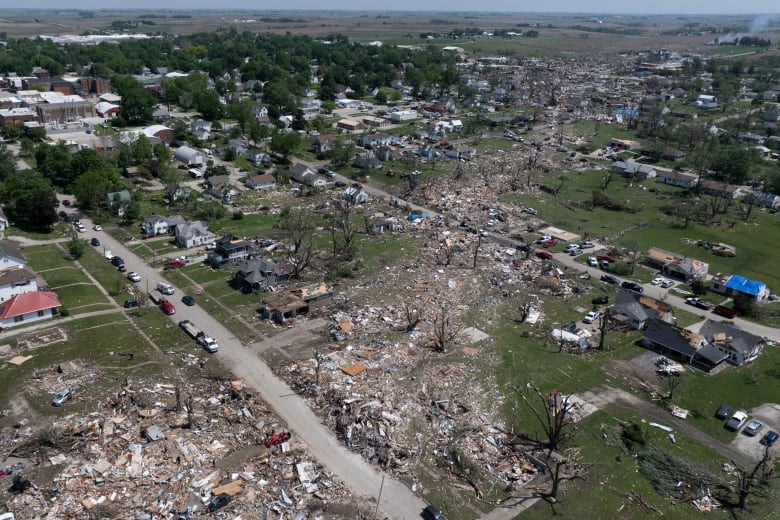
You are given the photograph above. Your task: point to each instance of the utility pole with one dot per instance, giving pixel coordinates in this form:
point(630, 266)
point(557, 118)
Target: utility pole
point(382, 485)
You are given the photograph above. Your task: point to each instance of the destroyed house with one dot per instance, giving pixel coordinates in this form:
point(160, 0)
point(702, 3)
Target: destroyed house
point(289, 304)
point(635, 310)
point(740, 346)
point(675, 265)
point(681, 344)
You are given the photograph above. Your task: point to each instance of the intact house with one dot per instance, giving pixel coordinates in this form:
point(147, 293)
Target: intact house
point(219, 186)
point(175, 191)
point(289, 304)
point(11, 256)
point(194, 234)
point(256, 156)
point(258, 274)
point(733, 286)
point(305, 175)
point(17, 281)
point(682, 345)
point(635, 310)
point(681, 179)
point(262, 181)
point(28, 307)
point(367, 161)
point(228, 250)
point(634, 170)
point(675, 265)
point(159, 225)
point(323, 143)
point(740, 346)
point(201, 129)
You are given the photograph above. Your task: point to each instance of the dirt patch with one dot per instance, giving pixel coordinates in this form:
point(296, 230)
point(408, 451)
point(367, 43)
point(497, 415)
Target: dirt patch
point(75, 374)
point(42, 338)
point(635, 375)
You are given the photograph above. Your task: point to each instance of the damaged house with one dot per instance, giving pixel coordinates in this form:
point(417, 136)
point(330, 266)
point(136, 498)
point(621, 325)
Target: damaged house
point(259, 274)
point(675, 265)
point(635, 310)
point(289, 304)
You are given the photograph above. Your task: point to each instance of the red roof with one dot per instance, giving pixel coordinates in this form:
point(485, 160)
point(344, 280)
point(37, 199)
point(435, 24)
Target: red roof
point(28, 302)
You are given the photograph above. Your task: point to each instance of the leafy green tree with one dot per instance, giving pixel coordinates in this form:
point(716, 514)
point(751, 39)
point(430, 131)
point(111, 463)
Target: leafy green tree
point(207, 103)
point(284, 143)
point(132, 211)
point(92, 187)
point(29, 200)
point(142, 149)
point(76, 246)
point(162, 153)
point(137, 102)
point(735, 163)
point(241, 111)
point(7, 162)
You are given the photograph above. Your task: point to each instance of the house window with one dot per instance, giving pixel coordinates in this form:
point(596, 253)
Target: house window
point(41, 314)
point(17, 319)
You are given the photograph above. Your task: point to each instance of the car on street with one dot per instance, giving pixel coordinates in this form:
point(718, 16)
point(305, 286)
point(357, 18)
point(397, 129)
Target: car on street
point(723, 411)
point(667, 283)
point(737, 420)
point(657, 281)
point(66, 203)
point(575, 252)
point(95, 242)
point(609, 279)
point(544, 255)
point(753, 427)
point(632, 286)
point(587, 245)
point(698, 302)
point(218, 502)
point(61, 397)
point(129, 304)
point(80, 228)
point(133, 276)
point(600, 300)
point(590, 317)
point(188, 300)
point(167, 307)
point(543, 238)
point(97, 227)
point(117, 261)
point(431, 513)
point(770, 438)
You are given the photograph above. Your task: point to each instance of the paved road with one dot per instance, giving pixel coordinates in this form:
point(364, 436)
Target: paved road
point(398, 502)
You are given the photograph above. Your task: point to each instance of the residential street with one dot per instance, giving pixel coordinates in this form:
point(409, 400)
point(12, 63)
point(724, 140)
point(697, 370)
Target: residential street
point(398, 502)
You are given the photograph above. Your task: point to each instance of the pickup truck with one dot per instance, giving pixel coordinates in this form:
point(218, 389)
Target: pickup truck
point(207, 342)
point(174, 264)
point(165, 288)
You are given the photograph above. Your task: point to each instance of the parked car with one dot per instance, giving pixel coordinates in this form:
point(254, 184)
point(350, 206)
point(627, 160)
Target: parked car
point(737, 420)
point(667, 283)
point(632, 286)
point(544, 255)
point(66, 203)
point(61, 397)
point(133, 276)
point(592, 261)
point(174, 264)
point(570, 248)
point(587, 245)
point(431, 513)
point(770, 438)
point(570, 327)
point(698, 302)
point(723, 411)
point(218, 502)
point(543, 238)
point(590, 317)
point(549, 243)
point(188, 300)
point(722, 310)
point(167, 307)
point(657, 281)
point(600, 300)
point(132, 302)
point(530, 211)
point(753, 427)
point(80, 228)
point(339, 184)
point(609, 279)
point(97, 227)
point(95, 242)
point(117, 261)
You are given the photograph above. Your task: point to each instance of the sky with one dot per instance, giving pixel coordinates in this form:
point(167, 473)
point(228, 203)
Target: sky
point(703, 7)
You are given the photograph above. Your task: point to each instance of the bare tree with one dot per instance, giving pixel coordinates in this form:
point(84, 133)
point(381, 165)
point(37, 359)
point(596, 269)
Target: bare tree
point(445, 326)
point(476, 249)
point(754, 482)
point(563, 468)
point(552, 412)
point(413, 311)
point(607, 323)
point(299, 228)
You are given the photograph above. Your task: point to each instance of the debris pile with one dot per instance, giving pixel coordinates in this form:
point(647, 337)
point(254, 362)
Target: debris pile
point(167, 450)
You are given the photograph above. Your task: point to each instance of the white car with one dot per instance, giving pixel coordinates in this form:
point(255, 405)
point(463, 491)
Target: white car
point(667, 283)
point(592, 261)
point(133, 276)
point(97, 227)
point(590, 317)
point(657, 281)
point(80, 228)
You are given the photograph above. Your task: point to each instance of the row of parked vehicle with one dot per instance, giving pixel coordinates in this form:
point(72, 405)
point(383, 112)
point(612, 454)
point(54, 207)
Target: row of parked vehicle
point(752, 427)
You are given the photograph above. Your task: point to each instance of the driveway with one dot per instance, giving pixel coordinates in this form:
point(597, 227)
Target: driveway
point(398, 502)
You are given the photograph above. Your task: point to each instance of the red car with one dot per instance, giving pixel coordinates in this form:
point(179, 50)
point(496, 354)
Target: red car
point(549, 243)
point(544, 255)
point(167, 307)
point(174, 264)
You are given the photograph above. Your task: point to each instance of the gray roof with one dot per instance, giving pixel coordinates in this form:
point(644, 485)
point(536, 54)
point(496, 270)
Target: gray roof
point(10, 249)
point(730, 337)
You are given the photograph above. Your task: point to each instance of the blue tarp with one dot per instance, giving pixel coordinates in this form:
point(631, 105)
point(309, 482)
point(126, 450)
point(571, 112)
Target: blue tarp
point(745, 285)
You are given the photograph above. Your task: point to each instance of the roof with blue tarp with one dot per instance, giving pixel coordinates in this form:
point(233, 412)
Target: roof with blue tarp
point(745, 285)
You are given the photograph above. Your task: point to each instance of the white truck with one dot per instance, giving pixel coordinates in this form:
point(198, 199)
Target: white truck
point(165, 288)
point(207, 342)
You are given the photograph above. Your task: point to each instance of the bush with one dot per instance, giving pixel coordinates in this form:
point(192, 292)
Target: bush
point(64, 311)
point(633, 436)
point(238, 215)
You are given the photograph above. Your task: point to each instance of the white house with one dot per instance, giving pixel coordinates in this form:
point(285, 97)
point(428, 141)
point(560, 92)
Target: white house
point(260, 182)
point(194, 234)
point(28, 307)
point(399, 116)
point(16, 281)
point(305, 175)
point(354, 195)
point(159, 225)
